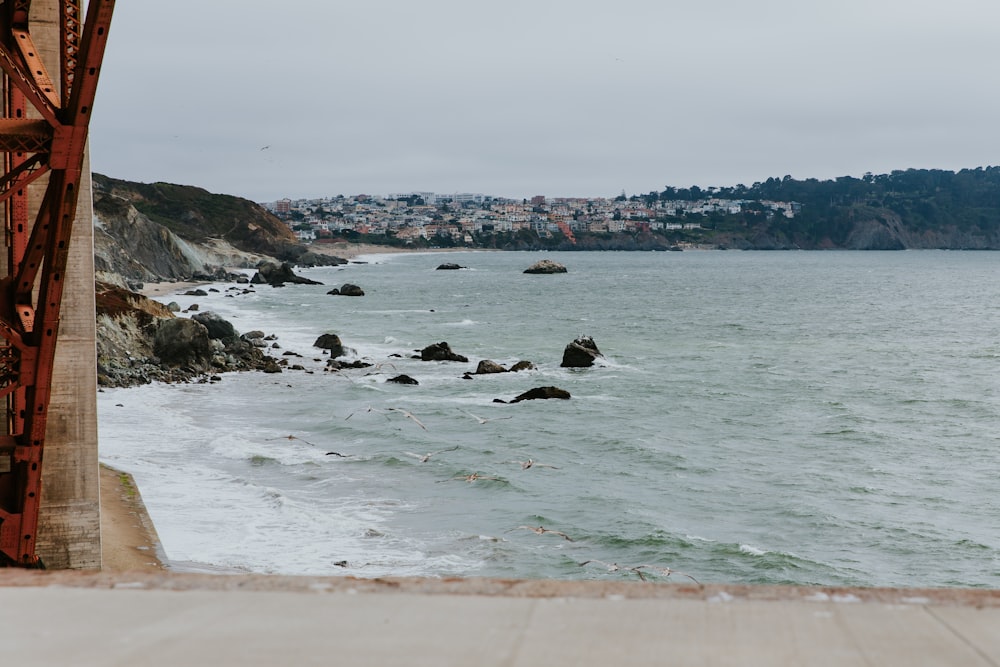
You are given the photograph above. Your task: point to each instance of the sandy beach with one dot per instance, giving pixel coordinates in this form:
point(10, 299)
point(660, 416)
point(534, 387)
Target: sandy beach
point(129, 541)
point(348, 251)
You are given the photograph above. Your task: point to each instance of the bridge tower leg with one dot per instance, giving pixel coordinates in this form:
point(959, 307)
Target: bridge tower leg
point(50, 55)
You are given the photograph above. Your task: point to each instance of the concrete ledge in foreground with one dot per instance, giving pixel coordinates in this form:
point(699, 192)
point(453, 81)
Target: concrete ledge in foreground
point(62, 618)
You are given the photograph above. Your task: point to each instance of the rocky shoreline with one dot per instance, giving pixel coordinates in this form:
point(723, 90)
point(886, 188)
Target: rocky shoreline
point(141, 340)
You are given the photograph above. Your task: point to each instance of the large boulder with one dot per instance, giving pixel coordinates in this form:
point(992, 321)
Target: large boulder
point(581, 353)
point(218, 328)
point(440, 352)
point(331, 342)
point(449, 266)
point(182, 342)
point(347, 289)
point(541, 393)
point(276, 276)
point(546, 266)
point(487, 366)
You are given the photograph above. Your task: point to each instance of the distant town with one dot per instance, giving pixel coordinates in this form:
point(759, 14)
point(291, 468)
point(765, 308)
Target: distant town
point(464, 219)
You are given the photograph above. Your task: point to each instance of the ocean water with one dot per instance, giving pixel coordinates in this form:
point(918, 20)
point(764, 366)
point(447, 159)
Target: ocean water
point(822, 418)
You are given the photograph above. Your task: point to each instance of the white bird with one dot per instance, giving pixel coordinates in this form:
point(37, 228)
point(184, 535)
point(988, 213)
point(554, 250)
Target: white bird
point(406, 413)
point(664, 571)
point(483, 420)
point(531, 463)
point(291, 437)
point(424, 458)
point(409, 415)
point(474, 477)
point(541, 530)
point(615, 567)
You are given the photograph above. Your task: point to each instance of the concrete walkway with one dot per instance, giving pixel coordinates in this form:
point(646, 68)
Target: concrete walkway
point(72, 618)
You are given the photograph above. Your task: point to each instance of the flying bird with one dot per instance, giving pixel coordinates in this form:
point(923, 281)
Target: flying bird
point(541, 530)
point(424, 458)
point(409, 415)
point(663, 571)
point(615, 567)
point(531, 463)
point(474, 477)
point(406, 413)
point(483, 420)
point(291, 437)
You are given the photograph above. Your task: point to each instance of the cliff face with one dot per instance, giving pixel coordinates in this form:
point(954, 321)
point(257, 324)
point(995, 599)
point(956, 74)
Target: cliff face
point(197, 216)
point(161, 232)
point(127, 243)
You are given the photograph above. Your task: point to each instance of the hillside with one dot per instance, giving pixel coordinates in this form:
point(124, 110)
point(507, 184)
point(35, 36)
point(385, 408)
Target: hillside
point(164, 233)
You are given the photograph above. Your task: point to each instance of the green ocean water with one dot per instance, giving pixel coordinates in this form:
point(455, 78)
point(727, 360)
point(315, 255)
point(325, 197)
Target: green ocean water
point(795, 417)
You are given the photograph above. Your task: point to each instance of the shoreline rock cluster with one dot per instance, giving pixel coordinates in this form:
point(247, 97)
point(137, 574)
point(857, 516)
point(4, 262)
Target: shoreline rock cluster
point(141, 340)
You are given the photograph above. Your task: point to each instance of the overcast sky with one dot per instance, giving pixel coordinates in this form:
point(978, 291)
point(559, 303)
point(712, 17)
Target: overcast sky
point(310, 98)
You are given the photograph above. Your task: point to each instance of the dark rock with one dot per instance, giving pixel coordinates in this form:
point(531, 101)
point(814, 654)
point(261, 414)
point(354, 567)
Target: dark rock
point(271, 366)
point(331, 342)
point(334, 365)
point(193, 306)
point(440, 352)
point(182, 342)
point(522, 366)
point(581, 353)
point(310, 258)
point(448, 266)
point(486, 366)
point(277, 276)
point(347, 289)
point(402, 379)
point(542, 393)
point(218, 328)
point(546, 266)
point(196, 292)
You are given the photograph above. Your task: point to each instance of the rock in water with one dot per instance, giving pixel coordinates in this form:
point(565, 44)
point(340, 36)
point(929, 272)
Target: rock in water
point(218, 328)
point(542, 393)
point(347, 289)
point(277, 276)
point(331, 342)
point(449, 266)
point(546, 266)
point(402, 379)
point(182, 342)
point(581, 353)
point(440, 352)
point(487, 366)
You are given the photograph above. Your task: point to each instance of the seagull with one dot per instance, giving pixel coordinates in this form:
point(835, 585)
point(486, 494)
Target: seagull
point(540, 530)
point(483, 420)
point(406, 413)
point(409, 415)
point(423, 458)
point(470, 478)
point(664, 571)
point(264, 148)
point(615, 567)
point(531, 463)
point(291, 437)
point(612, 567)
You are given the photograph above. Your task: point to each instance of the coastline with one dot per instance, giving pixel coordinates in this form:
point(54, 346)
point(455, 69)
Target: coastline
point(348, 251)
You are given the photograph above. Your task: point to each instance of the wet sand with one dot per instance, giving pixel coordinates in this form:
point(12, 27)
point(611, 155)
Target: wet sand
point(129, 542)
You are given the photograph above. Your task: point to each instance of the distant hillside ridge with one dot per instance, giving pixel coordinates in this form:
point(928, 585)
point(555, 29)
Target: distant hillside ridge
point(196, 215)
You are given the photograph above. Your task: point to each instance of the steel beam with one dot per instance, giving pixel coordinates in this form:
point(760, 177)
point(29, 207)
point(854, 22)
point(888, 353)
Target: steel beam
point(43, 130)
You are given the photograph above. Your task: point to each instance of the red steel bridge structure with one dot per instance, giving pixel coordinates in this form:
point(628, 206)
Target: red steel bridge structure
point(43, 133)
